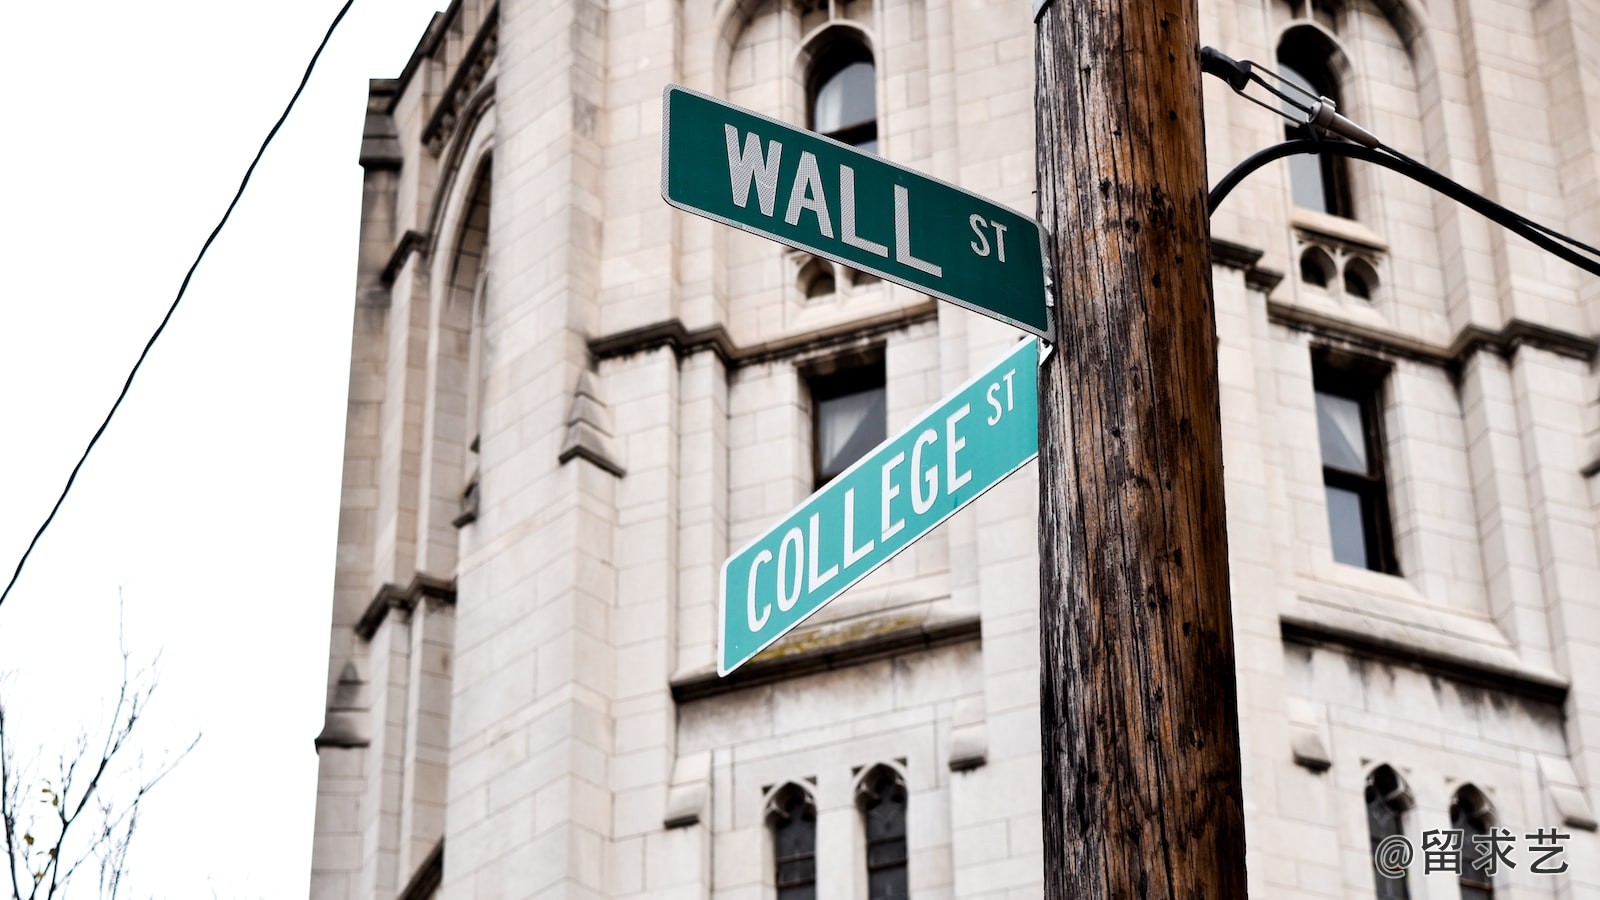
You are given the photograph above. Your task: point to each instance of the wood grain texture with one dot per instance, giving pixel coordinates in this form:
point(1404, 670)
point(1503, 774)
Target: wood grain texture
point(1142, 795)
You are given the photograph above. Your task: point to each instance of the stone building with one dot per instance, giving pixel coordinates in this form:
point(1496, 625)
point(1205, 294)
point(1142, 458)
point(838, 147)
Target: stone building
point(569, 402)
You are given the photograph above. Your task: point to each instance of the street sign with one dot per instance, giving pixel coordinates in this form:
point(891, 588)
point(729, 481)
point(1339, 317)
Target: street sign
point(967, 443)
point(812, 192)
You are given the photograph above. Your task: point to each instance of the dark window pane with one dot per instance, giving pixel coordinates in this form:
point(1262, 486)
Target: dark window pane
point(846, 98)
point(847, 427)
point(1465, 816)
point(884, 816)
point(1346, 527)
point(887, 883)
point(850, 415)
point(1342, 432)
point(886, 853)
point(1384, 820)
point(1317, 182)
point(794, 845)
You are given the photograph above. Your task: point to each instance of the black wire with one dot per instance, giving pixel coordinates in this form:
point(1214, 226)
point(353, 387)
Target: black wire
point(1532, 224)
point(174, 307)
point(1546, 238)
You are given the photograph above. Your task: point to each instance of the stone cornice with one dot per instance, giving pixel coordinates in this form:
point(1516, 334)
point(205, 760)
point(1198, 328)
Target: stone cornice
point(409, 243)
point(1469, 341)
point(1462, 668)
point(393, 596)
point(825, 656)
point(426, 45)
point(1246, 259)
point(715, 338)
point(469, 74)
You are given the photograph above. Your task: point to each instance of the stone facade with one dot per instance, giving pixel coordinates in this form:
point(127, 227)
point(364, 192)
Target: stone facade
point(569, 402)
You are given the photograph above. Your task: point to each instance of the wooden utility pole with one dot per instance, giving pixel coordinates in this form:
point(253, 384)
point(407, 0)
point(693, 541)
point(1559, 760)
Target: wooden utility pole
point(1137, 699)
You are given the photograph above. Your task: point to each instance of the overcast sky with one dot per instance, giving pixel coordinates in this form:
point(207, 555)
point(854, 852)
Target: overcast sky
point(211, 501)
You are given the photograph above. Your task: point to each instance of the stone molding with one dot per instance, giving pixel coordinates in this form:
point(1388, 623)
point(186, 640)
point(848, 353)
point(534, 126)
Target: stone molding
point(687, 342)
point(927, 635)
point(345, 724)
point(1525, 683)
point(405, 599)
point(1230, 255)
point(1469, 341)
point(469, 74)
point(589, 430)
point(411, 242)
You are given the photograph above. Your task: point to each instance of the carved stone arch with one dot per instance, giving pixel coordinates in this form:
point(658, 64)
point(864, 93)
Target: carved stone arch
point(821, 37)
point(778, 805)
point(732, 18)
point(1409, 21)
point(470, 145)
point(1472, 802)
point(468, 247)
point(869, 780)
point(1391, 786)
point(1338, 57)
point(790, 814)
point(458, 261)
point(881, 797)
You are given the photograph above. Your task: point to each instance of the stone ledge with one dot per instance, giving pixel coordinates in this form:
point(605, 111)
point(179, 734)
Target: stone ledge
point(1523, 681)
point(814, 653)
point(715, 338)
point(1471, 339)
point(409, 243)
point(393, 596)
point(1230, 255)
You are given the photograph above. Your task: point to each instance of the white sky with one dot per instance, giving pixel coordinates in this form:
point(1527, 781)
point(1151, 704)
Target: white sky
point(212, 499)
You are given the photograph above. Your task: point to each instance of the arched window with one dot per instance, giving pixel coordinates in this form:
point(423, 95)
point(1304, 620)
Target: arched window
point(1387, 800)
point(792, 816)
point(1471, 815)
point(1319, 183)
point(1360, 279)
point(842, 92)
point(881, 794)
point(1316, 267)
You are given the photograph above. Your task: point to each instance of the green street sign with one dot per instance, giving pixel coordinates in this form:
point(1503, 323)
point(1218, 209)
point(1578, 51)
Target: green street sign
point(812, 192)
point(966, 444)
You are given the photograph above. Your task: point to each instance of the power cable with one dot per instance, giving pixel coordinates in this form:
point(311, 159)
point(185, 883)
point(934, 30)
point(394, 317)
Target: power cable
point(182, 288)
point(1545, 238)
point(1319, 113)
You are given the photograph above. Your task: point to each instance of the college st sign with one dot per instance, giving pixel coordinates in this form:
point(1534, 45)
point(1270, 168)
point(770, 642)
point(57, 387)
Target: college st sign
point(967, 443)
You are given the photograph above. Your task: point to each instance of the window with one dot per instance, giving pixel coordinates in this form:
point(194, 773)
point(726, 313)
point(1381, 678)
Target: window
point(1470, 814)
point(792, 816)
point(849, 415)
point(1319, 183)
point(1316, 267)
point(1387, 800)
point(882, 798)
point(1360, 279)
point(843, 93)
point(1351, 440)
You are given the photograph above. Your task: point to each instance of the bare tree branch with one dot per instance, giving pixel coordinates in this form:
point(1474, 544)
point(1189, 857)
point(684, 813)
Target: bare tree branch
point(90, 817)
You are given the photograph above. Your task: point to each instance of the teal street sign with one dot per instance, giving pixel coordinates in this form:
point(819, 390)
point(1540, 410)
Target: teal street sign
point(812, 192)
point(965, 445)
